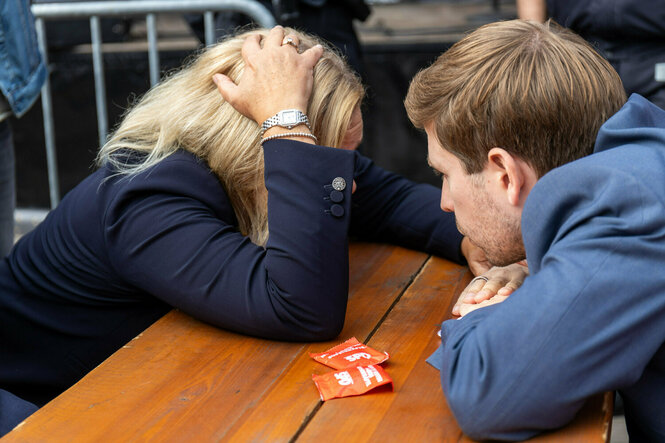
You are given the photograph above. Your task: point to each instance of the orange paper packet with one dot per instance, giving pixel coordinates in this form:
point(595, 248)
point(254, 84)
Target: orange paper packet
point(351, 381)
point(350, 353)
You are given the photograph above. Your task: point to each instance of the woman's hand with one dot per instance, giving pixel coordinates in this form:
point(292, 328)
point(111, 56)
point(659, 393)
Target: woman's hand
point(276, 76)
point(498, 282)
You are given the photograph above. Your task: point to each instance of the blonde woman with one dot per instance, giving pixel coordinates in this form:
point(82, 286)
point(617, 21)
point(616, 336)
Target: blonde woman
point(189, 209)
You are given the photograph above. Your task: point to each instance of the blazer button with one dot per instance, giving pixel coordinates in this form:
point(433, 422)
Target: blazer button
point(336, 196)
point(337, 210)
point(339, 184)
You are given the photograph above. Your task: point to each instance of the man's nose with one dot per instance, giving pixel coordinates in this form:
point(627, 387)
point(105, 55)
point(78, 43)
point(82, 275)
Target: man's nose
point(446, 202)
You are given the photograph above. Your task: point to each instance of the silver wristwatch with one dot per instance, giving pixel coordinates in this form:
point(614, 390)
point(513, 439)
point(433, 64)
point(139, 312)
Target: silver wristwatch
point(288, 118)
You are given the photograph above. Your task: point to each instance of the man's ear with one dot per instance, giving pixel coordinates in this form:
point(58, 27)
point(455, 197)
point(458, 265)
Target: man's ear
point(510, 175)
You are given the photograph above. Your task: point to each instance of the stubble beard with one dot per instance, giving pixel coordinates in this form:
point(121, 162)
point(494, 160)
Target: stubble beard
point(498, 236)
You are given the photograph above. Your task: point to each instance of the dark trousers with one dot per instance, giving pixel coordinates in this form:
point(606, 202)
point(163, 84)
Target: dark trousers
point(7, 188)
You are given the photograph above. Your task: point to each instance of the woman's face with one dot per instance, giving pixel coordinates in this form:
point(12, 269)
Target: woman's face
point(354, 133)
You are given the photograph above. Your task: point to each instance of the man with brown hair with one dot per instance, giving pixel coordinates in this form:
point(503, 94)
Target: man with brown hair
point(541, 161)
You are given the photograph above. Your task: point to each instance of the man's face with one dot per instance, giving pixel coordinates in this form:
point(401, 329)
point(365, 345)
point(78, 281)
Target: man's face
point(478, 204)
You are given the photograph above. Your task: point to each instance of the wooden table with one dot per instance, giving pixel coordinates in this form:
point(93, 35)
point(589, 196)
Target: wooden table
point(182, 380)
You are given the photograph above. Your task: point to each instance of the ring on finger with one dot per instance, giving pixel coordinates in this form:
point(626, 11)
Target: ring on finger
point(289, 41)
point(480, 277)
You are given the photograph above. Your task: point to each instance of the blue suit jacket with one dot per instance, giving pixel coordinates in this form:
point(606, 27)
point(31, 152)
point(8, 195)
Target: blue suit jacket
point(118, 253)
point(591, 316)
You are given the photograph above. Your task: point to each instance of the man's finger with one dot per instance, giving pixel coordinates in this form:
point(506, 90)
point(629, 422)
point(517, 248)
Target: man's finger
point(509, 287)
point(473, 287)
point(476, 285)
point(466, 307)
point(478, 267)
point(486, 292)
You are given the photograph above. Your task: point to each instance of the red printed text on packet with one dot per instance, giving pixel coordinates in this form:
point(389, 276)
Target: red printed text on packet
point(351, 381)
point(350, 353)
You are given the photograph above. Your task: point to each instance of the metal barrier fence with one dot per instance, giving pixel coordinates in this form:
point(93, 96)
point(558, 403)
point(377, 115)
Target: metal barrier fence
point(93, 10)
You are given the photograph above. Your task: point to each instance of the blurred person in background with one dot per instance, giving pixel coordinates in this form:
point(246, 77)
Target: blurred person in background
point(331, 20)
point(22, 74)
point(629, 34)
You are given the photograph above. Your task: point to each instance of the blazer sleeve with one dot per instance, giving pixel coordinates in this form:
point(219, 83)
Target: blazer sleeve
point(13, 410)
point(167, 234)
point(587, 320)
point(390, 208)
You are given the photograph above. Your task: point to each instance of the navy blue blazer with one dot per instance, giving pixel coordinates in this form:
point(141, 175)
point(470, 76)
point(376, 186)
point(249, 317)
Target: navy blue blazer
point(118, 253)
point(591, 316)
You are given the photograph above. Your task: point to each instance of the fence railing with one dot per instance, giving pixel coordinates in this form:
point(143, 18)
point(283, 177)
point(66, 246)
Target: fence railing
point(93, 10)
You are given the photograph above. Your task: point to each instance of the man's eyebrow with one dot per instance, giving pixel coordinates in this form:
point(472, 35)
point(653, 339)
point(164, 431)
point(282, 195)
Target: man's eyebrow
point(436, 171)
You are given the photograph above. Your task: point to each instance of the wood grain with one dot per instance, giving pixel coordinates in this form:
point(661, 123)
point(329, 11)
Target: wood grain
point(593, 424)
point(416, 411)
point(294, 397)
point(182, 378)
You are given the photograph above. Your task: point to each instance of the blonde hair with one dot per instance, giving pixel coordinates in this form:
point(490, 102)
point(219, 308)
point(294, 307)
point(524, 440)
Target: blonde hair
point(537, 90)
point(185, 111)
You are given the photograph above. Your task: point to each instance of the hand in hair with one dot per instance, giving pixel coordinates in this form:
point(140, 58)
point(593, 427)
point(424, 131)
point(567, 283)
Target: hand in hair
point(276, 77)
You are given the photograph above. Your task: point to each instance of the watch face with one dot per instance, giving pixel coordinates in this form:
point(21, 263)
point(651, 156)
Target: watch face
point(289, 117)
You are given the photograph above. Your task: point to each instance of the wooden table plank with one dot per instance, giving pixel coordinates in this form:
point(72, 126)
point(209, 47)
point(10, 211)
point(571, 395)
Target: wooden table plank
point(157, 384)
point(417, 405)
point(182, 378)
point(417, 410)
point(592, 424)
point(294, 397)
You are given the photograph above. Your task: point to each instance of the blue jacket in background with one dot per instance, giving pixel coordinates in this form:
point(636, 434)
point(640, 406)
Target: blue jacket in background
point(591, 316)
point(22, 69)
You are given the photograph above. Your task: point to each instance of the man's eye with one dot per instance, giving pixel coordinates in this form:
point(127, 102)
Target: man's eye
point(439, 174)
